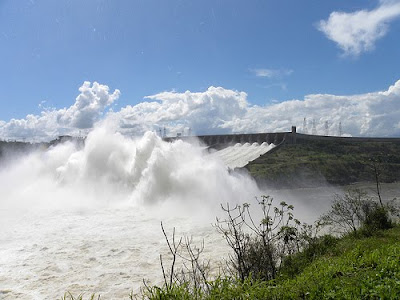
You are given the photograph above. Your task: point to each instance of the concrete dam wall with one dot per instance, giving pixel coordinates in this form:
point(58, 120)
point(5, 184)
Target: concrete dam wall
point(224, 140)
point(276, 138)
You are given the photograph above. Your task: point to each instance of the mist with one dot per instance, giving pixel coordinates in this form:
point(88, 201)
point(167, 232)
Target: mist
point(87, 218)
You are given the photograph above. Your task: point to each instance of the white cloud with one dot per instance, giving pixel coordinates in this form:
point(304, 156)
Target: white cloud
point(358, 32)
point(271, 73)
point(87, 109)
point(203, 112)
point(89, 105)
point(218, 110)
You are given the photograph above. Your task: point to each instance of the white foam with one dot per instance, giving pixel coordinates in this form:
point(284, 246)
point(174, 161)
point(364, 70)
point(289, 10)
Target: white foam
point(87, 219)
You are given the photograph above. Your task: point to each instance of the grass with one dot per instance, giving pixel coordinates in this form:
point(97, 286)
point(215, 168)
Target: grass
point(355, 268)
point(69, 296)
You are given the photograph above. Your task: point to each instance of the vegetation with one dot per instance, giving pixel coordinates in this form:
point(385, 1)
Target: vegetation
point(69, 296)
point(355, 211)
point(259, 247)
point(337, 162)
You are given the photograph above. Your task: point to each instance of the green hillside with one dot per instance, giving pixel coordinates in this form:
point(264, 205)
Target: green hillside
point(334, 162)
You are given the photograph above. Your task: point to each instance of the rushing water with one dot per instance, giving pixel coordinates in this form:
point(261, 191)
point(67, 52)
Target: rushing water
point(107, 251)
point(239, 155)
point(88, 220)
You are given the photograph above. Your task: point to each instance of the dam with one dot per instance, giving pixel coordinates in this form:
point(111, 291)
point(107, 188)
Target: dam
point(237, 150)
point(221, 141)
point(276, 138)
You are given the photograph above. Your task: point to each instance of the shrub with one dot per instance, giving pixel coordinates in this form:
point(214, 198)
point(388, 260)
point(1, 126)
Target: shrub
point(356, 212)
point(260, 246)
point(376, 219)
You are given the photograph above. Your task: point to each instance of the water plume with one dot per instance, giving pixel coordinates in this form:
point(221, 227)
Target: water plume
point(74, 218)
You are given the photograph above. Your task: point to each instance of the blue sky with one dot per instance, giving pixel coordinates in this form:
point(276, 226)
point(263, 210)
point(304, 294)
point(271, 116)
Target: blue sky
point(274, 51)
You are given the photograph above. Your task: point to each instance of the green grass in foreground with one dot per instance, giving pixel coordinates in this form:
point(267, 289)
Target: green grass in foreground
point(349, 268)
point(365, 268)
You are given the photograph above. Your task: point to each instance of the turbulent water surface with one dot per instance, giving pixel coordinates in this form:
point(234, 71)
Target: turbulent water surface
point(88, 220)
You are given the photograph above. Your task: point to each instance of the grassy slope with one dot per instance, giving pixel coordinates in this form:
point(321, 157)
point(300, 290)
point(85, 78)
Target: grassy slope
point(337, 162)
point(353, 269)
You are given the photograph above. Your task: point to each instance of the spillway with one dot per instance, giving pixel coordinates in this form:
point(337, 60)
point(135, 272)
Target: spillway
point(239, 155)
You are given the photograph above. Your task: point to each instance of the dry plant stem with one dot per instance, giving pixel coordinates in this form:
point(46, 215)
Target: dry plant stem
point(196, 267)
point(193, 273)
point(173, 250)
point(377, 181)
point(235, 237)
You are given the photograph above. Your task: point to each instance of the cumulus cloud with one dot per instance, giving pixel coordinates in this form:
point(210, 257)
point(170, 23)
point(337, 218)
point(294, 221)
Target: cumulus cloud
point(358, 31)
point(219, 110)
point(89, 105)
point(204, 112)
point(271, 73)
point(87, 109)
